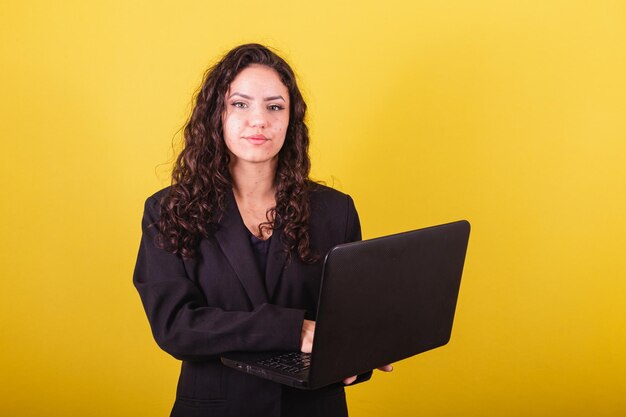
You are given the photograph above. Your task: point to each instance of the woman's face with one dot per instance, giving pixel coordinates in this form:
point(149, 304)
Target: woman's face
point(256, 116)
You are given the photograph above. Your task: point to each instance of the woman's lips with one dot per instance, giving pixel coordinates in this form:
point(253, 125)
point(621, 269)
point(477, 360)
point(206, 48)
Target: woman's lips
point(256, 139)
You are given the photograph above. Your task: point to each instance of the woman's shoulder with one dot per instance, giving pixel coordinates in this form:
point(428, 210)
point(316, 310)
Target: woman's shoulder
point(159, 195)
point(322, 190)
point(323, 194)
point(153, 202)
point(334, 214)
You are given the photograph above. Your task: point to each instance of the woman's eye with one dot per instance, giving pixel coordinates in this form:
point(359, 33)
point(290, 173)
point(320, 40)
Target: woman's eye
point(239, 104)
point(275, 107)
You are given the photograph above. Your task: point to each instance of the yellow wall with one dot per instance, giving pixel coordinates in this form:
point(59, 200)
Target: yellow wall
point(511, 114)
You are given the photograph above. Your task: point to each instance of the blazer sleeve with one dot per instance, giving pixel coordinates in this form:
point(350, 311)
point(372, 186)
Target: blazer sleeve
point(353, 225)
point(181, 321)
point(353, 234)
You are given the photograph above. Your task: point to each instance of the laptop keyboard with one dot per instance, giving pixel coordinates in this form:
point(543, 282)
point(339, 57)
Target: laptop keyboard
point(292, 362)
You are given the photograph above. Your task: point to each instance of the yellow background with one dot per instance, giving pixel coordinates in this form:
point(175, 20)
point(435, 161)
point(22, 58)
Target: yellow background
point(510, 114)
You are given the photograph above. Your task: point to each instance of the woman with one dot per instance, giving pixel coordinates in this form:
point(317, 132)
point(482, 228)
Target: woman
point(230, 257)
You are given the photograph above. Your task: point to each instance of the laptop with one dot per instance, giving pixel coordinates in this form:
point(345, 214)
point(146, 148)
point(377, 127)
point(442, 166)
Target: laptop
point(381, 300)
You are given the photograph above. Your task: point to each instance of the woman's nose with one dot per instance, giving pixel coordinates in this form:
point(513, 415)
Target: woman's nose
point(258, 118)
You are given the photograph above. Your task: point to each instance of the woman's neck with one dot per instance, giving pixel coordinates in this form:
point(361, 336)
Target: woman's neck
point(254, 190)
point(253, 181)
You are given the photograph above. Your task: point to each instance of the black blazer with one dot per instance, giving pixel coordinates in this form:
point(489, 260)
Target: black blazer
point(219, 302)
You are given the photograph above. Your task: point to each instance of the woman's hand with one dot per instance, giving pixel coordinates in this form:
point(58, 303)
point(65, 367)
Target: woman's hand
point(306, 337)
point(350, 380)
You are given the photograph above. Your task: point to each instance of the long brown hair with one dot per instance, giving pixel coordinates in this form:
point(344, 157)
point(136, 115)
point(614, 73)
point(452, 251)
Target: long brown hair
point(201, 180)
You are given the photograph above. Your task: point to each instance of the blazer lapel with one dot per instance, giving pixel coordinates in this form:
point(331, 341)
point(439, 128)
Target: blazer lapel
point(275, 261)
point(233, 239)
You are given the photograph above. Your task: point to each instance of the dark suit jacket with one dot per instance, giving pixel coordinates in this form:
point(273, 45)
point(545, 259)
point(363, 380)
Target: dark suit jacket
point(219, 302)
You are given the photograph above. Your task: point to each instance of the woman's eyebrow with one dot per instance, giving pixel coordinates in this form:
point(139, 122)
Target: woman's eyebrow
point(247, 97)
point(274, 98)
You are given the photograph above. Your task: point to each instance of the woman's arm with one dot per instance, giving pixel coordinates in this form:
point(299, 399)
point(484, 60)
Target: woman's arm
point(181, 321)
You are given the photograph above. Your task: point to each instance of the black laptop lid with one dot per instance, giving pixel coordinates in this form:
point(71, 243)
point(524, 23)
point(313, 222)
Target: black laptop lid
point(386, 299)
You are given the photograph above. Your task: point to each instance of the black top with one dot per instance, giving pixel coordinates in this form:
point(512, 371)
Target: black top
point(260, 248)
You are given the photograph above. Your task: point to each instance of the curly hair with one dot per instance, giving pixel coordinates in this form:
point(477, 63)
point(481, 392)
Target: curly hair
point(201, 179)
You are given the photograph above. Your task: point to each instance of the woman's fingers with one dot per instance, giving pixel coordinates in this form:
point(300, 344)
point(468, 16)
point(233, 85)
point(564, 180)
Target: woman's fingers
point(349, 380)
point(306, 337)
point(385, 368)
